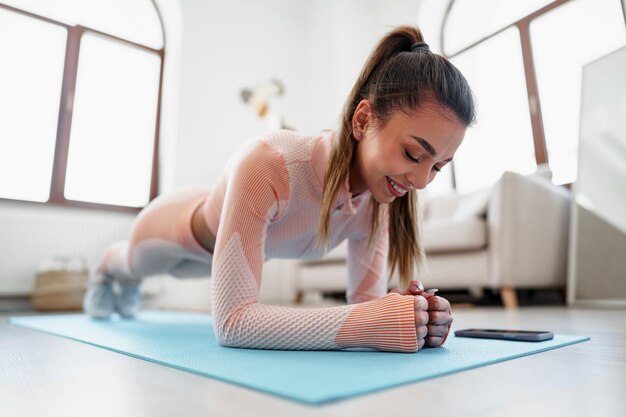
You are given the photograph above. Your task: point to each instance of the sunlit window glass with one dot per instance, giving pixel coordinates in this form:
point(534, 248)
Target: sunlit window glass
point(563, 41)
point(472, 20)
point(113, 125)
point(31, 75)
point(502, 138)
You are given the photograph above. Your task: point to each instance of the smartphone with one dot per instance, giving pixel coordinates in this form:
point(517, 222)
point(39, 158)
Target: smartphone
point(521, 335)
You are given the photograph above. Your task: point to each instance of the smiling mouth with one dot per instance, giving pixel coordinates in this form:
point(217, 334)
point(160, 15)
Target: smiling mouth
point(398, 191)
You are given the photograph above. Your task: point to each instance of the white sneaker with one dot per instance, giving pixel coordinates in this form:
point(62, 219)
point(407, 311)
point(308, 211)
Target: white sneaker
point(128, 299)
point(99, 300)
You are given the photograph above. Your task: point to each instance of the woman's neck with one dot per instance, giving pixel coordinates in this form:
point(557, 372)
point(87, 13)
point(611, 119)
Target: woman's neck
point(355, 180)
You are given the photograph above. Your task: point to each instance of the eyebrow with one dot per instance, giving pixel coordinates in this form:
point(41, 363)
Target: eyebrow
point(428, 147)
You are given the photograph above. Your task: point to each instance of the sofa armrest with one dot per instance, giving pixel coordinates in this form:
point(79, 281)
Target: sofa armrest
point(528, 227)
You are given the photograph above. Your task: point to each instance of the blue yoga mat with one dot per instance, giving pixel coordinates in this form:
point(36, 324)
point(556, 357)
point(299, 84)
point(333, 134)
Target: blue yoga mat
point(185, 341)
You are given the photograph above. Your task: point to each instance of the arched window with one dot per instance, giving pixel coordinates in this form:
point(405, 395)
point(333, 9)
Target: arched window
point(523, 60)
point(79, 107)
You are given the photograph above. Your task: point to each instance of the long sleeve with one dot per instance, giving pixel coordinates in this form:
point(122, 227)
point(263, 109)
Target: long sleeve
point(257, 194)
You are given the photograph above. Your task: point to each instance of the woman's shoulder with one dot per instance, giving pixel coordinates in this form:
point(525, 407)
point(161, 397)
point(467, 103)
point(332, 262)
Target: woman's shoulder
point(293, 146)
point(274, 152)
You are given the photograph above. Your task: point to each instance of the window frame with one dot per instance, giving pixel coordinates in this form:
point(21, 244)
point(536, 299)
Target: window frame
point(70, 71)
point(532, 89)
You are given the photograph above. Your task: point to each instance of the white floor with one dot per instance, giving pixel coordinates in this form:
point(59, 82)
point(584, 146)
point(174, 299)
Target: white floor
point(44, 375)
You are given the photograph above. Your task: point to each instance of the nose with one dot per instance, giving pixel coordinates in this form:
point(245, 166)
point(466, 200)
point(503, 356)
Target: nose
point(419, 177)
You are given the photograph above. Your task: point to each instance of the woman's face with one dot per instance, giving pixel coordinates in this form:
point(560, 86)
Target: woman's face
point(407, 152)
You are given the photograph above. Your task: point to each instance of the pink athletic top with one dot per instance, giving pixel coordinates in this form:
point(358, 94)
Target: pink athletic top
point(267, 205)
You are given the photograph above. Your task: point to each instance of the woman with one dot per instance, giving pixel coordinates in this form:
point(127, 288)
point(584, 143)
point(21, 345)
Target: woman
point(290, 195)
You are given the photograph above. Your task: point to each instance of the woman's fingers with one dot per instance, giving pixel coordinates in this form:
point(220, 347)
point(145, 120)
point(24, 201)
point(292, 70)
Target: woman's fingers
point(439, 321)
point(421, 311)
point(440, 317)
point(421, 320)
point(437, 329)
point(434, 341)
point(438, 303)
point(415, 287)
point(422, 332)
point(421, 343)
point(421, 304)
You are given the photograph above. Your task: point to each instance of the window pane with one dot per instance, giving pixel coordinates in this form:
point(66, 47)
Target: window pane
point(587, 29)
point(114, 123)
point(502, 138)
point(33, 55)
point(136, 20)
point(462, 30)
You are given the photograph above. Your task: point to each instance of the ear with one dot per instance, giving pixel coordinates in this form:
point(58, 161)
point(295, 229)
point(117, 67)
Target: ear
point(361, 118)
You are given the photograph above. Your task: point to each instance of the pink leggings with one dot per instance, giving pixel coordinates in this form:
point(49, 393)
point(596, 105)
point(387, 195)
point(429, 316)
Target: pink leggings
point(161, 241)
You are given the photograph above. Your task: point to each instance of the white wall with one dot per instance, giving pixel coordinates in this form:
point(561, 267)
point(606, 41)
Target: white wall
point(316, 48)
point(31, 233)
point(229, 46)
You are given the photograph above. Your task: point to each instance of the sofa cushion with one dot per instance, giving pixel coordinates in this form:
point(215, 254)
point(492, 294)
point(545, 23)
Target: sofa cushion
point(441, 207)
point(453, 236)
point(472, 205)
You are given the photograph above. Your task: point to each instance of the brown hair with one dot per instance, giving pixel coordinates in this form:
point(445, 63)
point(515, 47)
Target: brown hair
point(395, 79)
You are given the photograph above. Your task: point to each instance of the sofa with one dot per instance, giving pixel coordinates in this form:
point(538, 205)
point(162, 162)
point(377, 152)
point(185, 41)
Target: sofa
point(512, 235)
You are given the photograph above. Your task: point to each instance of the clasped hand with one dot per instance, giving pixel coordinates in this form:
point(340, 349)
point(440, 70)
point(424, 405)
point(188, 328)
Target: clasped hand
point(433, 316)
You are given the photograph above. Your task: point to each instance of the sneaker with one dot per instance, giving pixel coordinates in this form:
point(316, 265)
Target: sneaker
point(99, 300)
point(128, 299)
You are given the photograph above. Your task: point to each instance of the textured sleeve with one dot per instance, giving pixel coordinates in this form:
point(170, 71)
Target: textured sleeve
point(257, 193)
point(367, 267)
